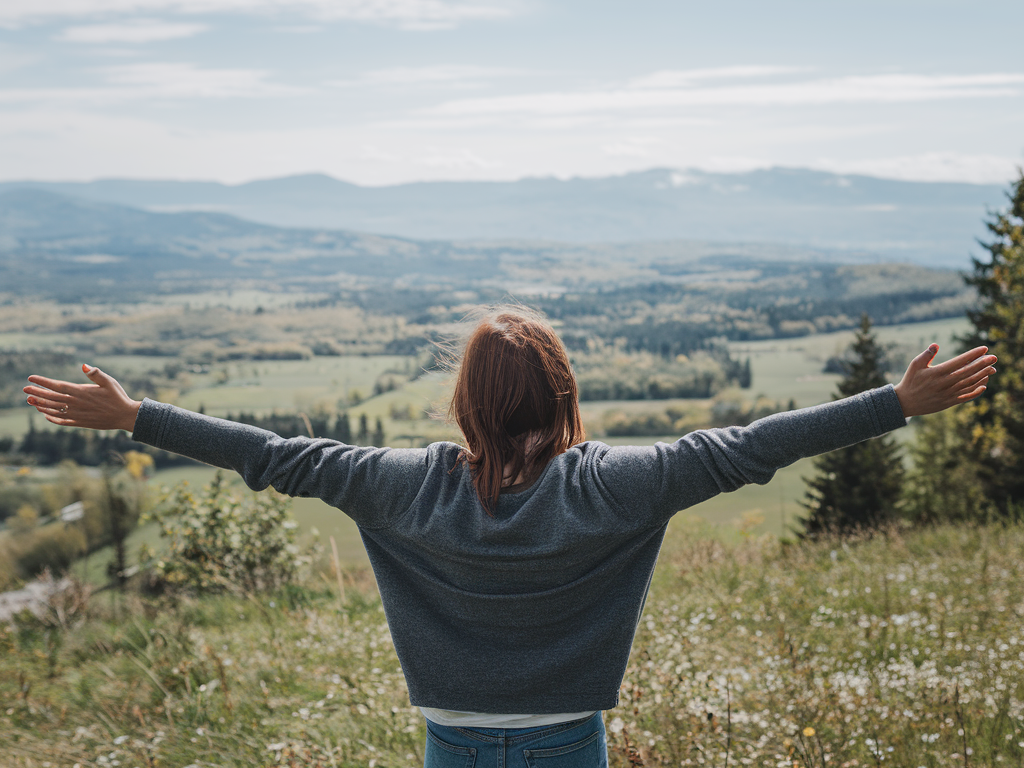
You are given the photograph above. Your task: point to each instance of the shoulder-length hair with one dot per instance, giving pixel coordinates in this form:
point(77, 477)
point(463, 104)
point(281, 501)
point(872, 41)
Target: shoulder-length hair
point(515, 400)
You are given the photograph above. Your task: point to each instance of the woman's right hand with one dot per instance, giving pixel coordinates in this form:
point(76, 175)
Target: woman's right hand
point(102, 404)
point(928, 389)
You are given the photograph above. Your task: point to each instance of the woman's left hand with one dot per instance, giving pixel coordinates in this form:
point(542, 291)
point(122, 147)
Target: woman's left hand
point(103, 404)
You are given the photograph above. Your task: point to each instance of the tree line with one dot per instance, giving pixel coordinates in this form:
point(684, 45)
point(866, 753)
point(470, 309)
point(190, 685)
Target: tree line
point(93, 449)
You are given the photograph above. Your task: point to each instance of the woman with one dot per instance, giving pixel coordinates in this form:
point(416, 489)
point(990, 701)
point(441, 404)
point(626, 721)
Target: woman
point(513, 571)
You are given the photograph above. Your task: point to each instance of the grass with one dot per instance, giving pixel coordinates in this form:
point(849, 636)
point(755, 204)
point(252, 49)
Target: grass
point(14, 422)
point(904, 649)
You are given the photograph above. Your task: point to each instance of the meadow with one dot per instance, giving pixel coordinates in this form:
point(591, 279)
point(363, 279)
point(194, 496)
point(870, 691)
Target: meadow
point(903, 649)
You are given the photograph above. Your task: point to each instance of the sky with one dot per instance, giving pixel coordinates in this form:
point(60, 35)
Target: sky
point(388, 91)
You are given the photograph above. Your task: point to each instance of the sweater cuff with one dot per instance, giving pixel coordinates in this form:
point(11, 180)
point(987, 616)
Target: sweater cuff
point(150, 422)
point(888, 413)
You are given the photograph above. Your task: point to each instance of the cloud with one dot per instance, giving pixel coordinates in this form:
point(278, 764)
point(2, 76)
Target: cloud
point(183, 80)
point(158, 80)
point(408, 14)
point(373, 152)
point(676, 78)
point(134, 31)
point(890, 88)
point(458, 159)
point(451, 75)
point(13, 59)
point(932, 166)
point(636, 147)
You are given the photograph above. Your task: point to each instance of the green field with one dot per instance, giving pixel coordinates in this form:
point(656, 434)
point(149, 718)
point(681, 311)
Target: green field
point(792, 368)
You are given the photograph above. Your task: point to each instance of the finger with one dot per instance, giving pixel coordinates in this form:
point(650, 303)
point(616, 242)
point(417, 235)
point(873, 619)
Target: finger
point(97, 376)
point(48, 411)
point(47, 403)
point(973, 385)
point(973, 380)
point(922, 360)
point(970, 395)
point(961, 360)
point(56, 385)
point(59, 421)
point(980, 364)
point(47, 394)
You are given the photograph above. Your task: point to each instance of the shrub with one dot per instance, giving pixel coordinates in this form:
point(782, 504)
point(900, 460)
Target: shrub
point(54, 546)
point(221, 542)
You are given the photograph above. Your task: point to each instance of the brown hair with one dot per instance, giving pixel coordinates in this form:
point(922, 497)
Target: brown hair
point(515, 400)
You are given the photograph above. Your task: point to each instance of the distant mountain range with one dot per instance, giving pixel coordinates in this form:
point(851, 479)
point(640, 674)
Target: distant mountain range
point(929, 223)
point(69, 247)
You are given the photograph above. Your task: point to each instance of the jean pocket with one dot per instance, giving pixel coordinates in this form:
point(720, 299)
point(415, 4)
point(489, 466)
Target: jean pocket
point(582, 754)
point(440, 754)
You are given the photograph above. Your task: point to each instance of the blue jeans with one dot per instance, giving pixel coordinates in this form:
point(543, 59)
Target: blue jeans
point(576, 744)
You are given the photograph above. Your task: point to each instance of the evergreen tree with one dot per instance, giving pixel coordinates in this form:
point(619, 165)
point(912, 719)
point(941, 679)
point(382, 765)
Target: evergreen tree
point(378, 434)
point(363, 438)
point(994, 437)
point(343, 429)
point(857, 487)
point(746, 376)
point(942, 484)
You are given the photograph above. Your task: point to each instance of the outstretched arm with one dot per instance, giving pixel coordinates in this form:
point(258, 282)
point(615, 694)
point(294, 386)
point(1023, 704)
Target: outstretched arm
point(370, 484)
point(702, 464)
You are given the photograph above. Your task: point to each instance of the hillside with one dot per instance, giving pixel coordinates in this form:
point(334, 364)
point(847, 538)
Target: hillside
point(903, 648)
point(931, 223)
point(65, 246)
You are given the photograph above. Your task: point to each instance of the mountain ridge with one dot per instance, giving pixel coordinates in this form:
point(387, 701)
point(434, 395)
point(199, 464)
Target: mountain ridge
point(933, 223)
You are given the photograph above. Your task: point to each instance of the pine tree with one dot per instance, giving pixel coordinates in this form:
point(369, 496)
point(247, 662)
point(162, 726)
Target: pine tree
point(857, 487)
point(941, 485)
point(363, 437)
point(995, 434)
point(343, 429)
point(378, 437)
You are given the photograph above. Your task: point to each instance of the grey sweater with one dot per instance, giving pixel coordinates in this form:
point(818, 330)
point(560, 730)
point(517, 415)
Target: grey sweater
point(532, 610)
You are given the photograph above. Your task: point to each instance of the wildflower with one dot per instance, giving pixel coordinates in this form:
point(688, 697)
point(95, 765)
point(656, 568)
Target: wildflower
point(808, 731)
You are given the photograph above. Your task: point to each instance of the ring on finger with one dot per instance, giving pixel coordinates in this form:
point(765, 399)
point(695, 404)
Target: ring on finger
point(64, 408)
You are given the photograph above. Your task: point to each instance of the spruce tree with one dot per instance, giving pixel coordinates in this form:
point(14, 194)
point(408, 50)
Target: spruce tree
point(343, 429)
point(994, 438)
point(857, 487)
point(378, 437)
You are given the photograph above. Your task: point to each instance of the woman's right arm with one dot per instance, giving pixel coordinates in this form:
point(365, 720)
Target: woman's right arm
point(369, 484)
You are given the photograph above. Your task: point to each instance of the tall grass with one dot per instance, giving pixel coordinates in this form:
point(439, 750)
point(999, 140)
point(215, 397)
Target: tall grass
point(905, 649)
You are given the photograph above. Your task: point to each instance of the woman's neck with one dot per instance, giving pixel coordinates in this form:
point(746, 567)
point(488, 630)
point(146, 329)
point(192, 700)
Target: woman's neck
point(527, 472)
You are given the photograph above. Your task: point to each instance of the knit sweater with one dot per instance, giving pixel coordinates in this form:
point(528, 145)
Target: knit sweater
point(531, 609)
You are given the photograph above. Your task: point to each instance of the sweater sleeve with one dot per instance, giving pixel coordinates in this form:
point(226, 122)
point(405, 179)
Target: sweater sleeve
point(660, 480)
point(371, 485)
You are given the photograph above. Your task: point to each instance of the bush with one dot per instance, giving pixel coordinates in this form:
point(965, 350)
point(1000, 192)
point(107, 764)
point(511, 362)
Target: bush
point(220, 542)
point(55, 546)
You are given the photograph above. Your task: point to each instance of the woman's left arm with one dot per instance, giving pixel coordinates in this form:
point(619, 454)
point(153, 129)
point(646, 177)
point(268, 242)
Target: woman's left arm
point(707, 462)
